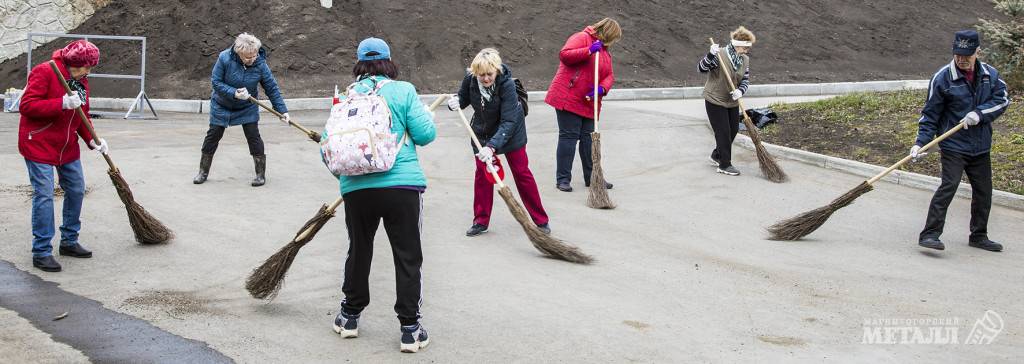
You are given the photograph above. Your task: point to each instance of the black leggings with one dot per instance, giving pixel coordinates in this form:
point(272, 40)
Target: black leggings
point(401, 211)
point(252, 136)
point(725, 121)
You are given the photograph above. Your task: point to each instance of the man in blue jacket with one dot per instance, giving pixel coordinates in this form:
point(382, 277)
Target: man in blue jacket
point(969, 92)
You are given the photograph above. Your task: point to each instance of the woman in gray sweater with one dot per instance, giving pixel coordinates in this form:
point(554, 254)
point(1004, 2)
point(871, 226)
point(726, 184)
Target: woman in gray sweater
point(720, 97)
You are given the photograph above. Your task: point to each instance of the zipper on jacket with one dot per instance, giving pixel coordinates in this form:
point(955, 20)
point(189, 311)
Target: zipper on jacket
point(67, 138)
point(574, 77)
point(37, 131)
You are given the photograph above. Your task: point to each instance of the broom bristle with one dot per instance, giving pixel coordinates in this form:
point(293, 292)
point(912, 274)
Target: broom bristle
point(598, 198)
point(769, 167)
point(802, 225)
point(545, 243)
point(266, 280)
point(147, 229)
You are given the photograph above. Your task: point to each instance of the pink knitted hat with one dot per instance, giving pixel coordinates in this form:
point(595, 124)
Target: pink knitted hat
point(80, 53)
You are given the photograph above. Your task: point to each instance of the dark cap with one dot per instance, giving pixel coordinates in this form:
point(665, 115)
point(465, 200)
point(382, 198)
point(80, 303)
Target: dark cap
point(966, 42)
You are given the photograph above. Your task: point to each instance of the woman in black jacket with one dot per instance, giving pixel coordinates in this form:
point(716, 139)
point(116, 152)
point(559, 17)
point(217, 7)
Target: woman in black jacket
point(500, 124)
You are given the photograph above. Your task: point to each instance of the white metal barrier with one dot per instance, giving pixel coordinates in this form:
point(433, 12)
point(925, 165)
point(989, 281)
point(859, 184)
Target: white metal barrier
point(138, 106)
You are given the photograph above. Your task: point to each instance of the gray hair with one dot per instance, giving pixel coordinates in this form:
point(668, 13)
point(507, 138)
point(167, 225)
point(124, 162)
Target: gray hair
point(247, 43)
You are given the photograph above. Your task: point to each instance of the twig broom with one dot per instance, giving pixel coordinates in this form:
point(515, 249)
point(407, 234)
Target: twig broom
point(801, 225)
point(545, 243)
point(769, 168)
point(598, 198)
point(266, 280)
point(147, 229)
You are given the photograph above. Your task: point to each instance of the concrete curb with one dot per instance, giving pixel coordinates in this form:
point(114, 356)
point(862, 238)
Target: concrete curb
point(771, 90)
point(903, 178)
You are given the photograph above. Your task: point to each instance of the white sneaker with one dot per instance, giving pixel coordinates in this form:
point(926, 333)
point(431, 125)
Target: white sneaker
point(730, 171)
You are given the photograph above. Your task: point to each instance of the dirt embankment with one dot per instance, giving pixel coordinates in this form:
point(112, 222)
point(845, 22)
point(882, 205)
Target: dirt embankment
point(313, 48)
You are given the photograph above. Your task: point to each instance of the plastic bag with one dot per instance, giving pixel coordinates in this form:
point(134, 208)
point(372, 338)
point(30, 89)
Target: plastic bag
point(761, 117)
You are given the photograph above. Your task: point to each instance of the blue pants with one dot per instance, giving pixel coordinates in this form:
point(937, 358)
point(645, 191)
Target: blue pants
point(573, 129)
point(73, 182)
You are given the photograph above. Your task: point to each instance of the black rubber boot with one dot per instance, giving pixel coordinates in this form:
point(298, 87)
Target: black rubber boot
point(261, 170)
point(204, 169)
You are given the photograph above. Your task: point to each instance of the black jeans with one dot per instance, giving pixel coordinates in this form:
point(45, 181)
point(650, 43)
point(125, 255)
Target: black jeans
point(252, 136)
point(979, 174)
point(726, 123)
point(401, 211)
point(573, 128)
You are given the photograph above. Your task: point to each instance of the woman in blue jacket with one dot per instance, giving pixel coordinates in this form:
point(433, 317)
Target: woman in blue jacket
point(394, 196)
point(236, 75)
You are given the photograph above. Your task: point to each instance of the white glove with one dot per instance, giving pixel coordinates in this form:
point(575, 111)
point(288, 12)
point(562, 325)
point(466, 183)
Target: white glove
point(736, 94)
point(915, 152)
point(486, 155)
point(453, 103)
point(71, 101)
point(242, 94)
point(971, 119)
point(285, 118)
point(101, 147)
point(714, 49)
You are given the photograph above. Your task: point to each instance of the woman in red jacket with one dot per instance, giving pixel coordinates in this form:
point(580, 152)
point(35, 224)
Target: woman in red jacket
point(48, 138)
point(572, 93)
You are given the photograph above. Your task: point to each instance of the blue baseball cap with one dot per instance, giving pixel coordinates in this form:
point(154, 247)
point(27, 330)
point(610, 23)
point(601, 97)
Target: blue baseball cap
point(966, 42)
point(372, 49)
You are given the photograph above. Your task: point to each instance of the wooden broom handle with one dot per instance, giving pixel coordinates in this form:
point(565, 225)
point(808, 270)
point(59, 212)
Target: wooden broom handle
point(279, 115)
point(437, 102)
point(476, 142)
point(728, 77)
point(597, 86)
point(924, 148)
point(81, 113)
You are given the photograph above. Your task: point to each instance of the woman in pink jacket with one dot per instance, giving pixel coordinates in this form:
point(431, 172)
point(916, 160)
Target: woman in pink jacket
point(572, 95)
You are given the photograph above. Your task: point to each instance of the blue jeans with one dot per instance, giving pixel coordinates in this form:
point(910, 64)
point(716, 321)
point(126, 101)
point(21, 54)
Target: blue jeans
point(73, 182)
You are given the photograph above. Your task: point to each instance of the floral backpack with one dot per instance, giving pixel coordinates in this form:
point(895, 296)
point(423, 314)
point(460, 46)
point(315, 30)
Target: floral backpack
point(359, 139)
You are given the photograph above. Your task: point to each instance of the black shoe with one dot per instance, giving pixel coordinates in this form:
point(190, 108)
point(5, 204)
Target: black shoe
point(729, 171)
point(476, 229)
point(564, 187)
point(607, 185)
point(46, 264)
point(932, 243)
point(75, 251)
point(545, 229)
point(261, 170)
point(987, 245)
point(204, 169)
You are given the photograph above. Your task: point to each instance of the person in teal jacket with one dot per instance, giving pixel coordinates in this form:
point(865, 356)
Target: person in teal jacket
point(394, 196)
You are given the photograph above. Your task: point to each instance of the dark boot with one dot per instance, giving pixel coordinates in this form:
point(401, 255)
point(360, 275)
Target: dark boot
point(47, 263)
point(75, 251)
point(261, 170)
point(204, 169)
